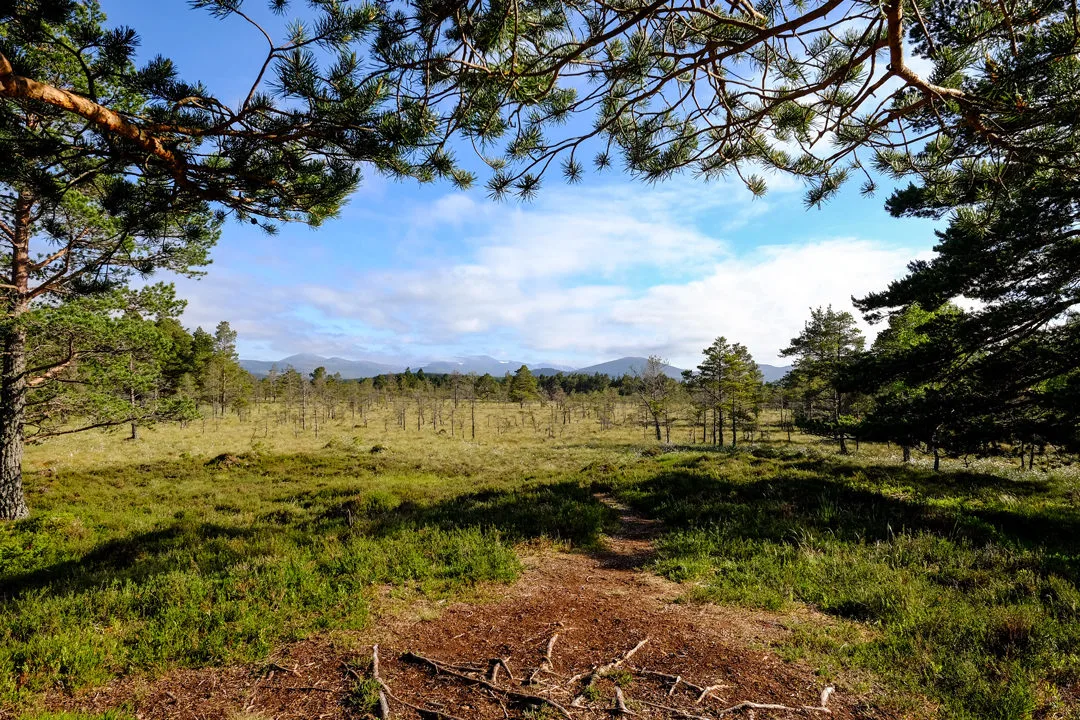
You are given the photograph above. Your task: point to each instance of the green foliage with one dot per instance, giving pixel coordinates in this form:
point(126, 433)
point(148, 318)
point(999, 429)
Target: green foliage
point(721, 91)
point(727, 384)
point(823, 352)
point(196, 565)
point(363, 697)
point(290, 149)
point(102, 360)
point(523, 386)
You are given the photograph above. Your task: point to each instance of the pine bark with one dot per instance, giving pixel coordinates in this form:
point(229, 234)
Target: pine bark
point(13, 383)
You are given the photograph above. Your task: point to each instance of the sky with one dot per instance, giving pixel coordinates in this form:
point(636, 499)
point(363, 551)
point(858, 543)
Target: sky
point(580, 275)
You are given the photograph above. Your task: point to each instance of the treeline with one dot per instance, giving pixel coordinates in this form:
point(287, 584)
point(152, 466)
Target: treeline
point(489, 386)
point(155, 370)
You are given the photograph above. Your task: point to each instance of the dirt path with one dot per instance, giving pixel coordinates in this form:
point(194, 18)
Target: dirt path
point(600, 605)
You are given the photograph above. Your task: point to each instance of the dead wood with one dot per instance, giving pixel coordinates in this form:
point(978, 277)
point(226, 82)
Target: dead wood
point(522, 696)
point(384, 706)
point(546, 665)
point(620, 702)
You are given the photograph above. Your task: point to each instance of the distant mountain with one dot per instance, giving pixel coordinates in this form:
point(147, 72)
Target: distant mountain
point(626, 366)
point(354, 369)
point(305, 363)
point(772, 373)
point(480, 364)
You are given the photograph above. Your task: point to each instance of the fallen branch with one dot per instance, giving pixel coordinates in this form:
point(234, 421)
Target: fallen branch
point(620, 702)
point(598, 672)
point(447, 670)
point(546, 665)
point(384, 706)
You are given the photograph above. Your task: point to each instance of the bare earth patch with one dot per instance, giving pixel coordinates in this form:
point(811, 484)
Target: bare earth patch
point(601, 606)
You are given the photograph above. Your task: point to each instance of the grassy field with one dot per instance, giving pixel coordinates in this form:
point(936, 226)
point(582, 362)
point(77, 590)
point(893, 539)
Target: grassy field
point(220, 541)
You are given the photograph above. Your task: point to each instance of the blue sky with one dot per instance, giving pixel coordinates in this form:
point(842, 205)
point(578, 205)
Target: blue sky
point(582, 274)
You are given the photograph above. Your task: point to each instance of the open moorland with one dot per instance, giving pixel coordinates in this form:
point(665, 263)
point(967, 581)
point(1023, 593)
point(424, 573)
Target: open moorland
point(246, 569)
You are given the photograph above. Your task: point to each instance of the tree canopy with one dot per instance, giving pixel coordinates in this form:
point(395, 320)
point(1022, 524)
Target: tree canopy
point(825, 90)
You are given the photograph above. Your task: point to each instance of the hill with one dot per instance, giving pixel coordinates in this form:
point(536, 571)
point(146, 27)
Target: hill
point(627, 366)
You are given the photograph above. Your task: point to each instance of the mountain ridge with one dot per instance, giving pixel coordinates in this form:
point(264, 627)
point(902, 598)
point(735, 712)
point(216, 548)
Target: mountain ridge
point(305, 363)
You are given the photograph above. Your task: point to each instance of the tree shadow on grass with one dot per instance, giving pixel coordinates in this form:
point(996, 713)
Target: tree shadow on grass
point(136, 558)
point(561, 511)
point(214, 541)
point(779, 501)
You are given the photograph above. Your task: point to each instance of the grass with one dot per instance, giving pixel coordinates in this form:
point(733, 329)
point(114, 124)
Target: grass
point(218, 542)
point(963, 585)
point(195, 561)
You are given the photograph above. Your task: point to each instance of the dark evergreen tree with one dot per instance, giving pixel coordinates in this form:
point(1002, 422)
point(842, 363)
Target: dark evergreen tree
point(823, 351)
point(523, 386)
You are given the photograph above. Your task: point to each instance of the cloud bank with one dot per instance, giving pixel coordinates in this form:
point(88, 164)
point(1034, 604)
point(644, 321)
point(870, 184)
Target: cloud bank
point(583, 276)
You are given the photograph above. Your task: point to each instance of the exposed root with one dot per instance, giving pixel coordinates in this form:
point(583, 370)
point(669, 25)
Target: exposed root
point(546, 665)
point(383, 709)
point(384, 706)
point(705, 693)
point(674, 711)
point(620, 703)
point(494, 665)
point(747, 705)
point(517, 695)
point(598, 672)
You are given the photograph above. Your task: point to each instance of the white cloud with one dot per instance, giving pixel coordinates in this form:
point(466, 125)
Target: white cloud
point(581, 277)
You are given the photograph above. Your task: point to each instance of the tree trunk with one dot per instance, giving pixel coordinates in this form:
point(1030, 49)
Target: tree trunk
point(907, 453)
point(734, 427)
point(12, 410)
point(13, 383)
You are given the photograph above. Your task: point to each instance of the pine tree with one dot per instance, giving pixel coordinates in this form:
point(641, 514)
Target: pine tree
point(108, 170)
point(742, 386)
point(523, 386)
point(710, 385)
point(226, 385)
point(825, 91)
point(830, 340)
